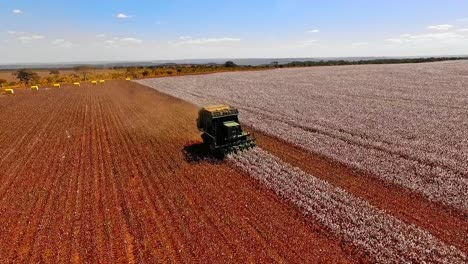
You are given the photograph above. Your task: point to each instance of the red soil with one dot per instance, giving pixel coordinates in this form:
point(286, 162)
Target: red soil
point(97, 174)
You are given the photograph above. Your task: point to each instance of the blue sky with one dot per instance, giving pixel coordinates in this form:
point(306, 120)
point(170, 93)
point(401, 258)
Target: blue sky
point(58, 31)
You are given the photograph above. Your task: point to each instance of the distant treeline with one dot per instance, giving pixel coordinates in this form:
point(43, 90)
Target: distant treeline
point(90, 72)
point(360, 62)
point(86, 73)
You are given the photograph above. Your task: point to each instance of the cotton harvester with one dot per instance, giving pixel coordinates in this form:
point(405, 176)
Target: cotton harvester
point(222, 131)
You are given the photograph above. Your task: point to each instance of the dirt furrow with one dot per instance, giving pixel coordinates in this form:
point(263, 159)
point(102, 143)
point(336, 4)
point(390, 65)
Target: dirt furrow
point(41, 166)
point(55, 248)
point(116, 228)
point(101, 154)
point(14, 113)
point(165, 165)
point(131, 174)
point(90, 220)
point(178, 202)
point(27, 144)
point(43, 247)
point(69, 212)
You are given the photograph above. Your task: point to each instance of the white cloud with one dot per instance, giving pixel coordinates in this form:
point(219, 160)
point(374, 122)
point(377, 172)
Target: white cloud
point(395, 40)
point(131, 40)
point(465, 19)
point(25, 36)
point(437, 36)
point(26, 39)
point(118, 41)
point(462, 30)
point(62, 43)
point(190, 40)
point(300, 44)
point(440, 27)
point(313, 31)
point(441, 37)
point(122, 16)
point(109, 43)
point(360, 44)
point(17, 11)
point(309, 41)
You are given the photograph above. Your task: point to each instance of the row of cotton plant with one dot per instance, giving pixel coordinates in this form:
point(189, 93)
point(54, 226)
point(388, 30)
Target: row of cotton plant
point(384, 238)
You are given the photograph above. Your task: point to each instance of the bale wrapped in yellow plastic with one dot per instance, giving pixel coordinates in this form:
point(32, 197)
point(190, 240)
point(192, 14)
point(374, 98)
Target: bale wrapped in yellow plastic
point(94, 82)
point(35, 88)
point(57, 85)
point(9, 91)
point(76, 84)
point(127, 79)
point(102, 81)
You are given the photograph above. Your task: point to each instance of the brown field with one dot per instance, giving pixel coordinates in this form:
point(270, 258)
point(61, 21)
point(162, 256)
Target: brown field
point(98, 174)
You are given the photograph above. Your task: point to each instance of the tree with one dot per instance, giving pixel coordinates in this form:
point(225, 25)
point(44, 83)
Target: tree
point(75, 77)
point(84, 70)
point(26, 76)
point(179, 70)
point(3, 82)
point(145, 73)
point(230, 64)
point(169, 72)
point(55, 72)
point(132, 71)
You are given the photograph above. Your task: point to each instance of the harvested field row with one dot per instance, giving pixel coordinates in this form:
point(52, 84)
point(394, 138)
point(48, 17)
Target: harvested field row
point(405, 124)
point(386, 239)
point(98, 175)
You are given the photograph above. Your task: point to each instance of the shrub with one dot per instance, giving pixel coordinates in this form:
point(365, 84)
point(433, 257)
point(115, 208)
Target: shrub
point(230, 64)
point(26, 76)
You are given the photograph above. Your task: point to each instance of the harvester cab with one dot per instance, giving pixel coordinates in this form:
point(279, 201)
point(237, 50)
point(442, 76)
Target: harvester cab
point(221, 129)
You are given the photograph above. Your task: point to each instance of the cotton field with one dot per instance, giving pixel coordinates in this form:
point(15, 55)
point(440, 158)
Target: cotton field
point(405, 124)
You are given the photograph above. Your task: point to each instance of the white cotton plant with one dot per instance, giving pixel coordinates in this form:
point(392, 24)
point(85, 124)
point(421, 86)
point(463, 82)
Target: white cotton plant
point(385, 238)
point(405, 124)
